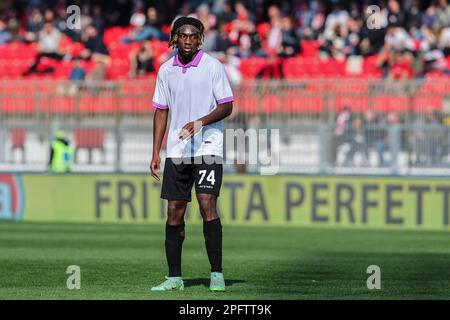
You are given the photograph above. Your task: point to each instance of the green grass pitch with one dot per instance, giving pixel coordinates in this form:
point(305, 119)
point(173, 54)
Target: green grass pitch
point(124, 261)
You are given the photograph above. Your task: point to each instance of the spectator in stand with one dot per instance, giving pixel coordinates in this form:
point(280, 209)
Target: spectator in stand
point(5, 34)
point(48, 46)
point(372, 39)
point(142, 60)
point(94, 44)
point(95, 50)
point(357, 142)
point(34, 25)
point(374, 135)
point(61, 24)
point(317, 23)
point(223, 42)
point(429, 18)
point(97, 19)
point(333, 42)
point(13, 24)
point(354, 11)
point(413, 15)
point(396, 16)
point(210, 34)
point(397, 65)
point(142, 32)
point(341, 133)
point(77, 75)
point(152, 18)
point(397, 39)
point(274, 38)
point(273, 46)
point(227, 14)
point(49, 15)
point(290, 42)
point(304, 17)
point(408, 27)
point(444, 41)
point(78, 72)
point(443, 15)
point(243, 25)
point(424, 38)
point(434, 135)
point(338, 16)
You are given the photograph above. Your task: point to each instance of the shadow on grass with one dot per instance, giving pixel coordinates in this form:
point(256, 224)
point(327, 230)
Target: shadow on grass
point(205, 282)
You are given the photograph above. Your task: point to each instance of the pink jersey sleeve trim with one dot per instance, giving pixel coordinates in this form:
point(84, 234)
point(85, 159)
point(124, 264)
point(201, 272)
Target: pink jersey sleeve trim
point(225, 100)
point(159, 106)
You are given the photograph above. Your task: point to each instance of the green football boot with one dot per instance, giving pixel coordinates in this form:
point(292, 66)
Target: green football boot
point(171, 283)
point(217, 283)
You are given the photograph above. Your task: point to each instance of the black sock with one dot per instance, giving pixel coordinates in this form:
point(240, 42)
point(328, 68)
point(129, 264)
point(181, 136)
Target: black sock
point(212, 230)
point(174, 243)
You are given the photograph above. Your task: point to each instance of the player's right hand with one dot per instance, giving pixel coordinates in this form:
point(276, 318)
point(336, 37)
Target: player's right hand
point(154, 167)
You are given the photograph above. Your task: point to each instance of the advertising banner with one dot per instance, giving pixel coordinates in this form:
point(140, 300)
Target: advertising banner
point(337, 201)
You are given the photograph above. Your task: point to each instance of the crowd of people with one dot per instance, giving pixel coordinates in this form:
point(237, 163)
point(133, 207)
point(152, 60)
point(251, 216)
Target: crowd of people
point(411, 37)
point(427, 143)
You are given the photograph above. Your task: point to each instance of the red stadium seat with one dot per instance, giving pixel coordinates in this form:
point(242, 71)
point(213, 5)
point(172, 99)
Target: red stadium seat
point(251, 66)
point(89, 138)
point(309, 48)
point(18, 138)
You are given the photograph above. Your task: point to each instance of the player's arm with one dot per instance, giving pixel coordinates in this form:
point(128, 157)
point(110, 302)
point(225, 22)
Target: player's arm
point(222, 111)
point(224, 97)
point(159, 129)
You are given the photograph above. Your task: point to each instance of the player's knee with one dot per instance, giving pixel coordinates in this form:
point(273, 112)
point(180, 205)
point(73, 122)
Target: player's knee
point(175, 212)
point(208, 208)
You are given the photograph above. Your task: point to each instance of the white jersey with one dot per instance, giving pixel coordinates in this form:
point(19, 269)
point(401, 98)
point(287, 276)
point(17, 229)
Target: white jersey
point(190, 92)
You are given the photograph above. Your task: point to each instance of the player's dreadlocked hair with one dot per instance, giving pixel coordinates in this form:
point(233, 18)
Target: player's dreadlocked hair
point(197, 24)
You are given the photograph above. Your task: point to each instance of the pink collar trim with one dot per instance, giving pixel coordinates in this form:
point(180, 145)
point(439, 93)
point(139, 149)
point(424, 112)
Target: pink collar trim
point(193, 63)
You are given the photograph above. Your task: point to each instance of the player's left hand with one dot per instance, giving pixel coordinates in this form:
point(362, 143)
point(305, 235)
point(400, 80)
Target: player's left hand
point(190, 129)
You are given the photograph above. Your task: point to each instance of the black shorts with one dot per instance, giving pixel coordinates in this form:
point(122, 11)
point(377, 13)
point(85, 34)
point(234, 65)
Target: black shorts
point(181, 173)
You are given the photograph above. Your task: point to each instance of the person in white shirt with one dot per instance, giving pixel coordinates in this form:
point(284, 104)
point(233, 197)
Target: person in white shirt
point(194, 88)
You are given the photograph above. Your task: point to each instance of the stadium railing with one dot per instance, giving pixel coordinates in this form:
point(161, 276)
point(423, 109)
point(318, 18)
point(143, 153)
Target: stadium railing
point(110, 124)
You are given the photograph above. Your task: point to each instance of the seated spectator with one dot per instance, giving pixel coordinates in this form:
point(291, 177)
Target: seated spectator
point(290, 42)
point(97, 75)
point(49, 15)
point(153, 20)
point(210, 33)
point(414, 15)
point(397, 65)
point(13, 24)
point(142, 32)
point(442, 15)
point(5, 34)
point(338, 16)
point(94, 44)
point(48, 46)
point(77, 75)
point(34, 25)
point(242, 26)
point(396, 16)
point(142, 60)
point(429, 18)
point(61, 24)
point(444, 41)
